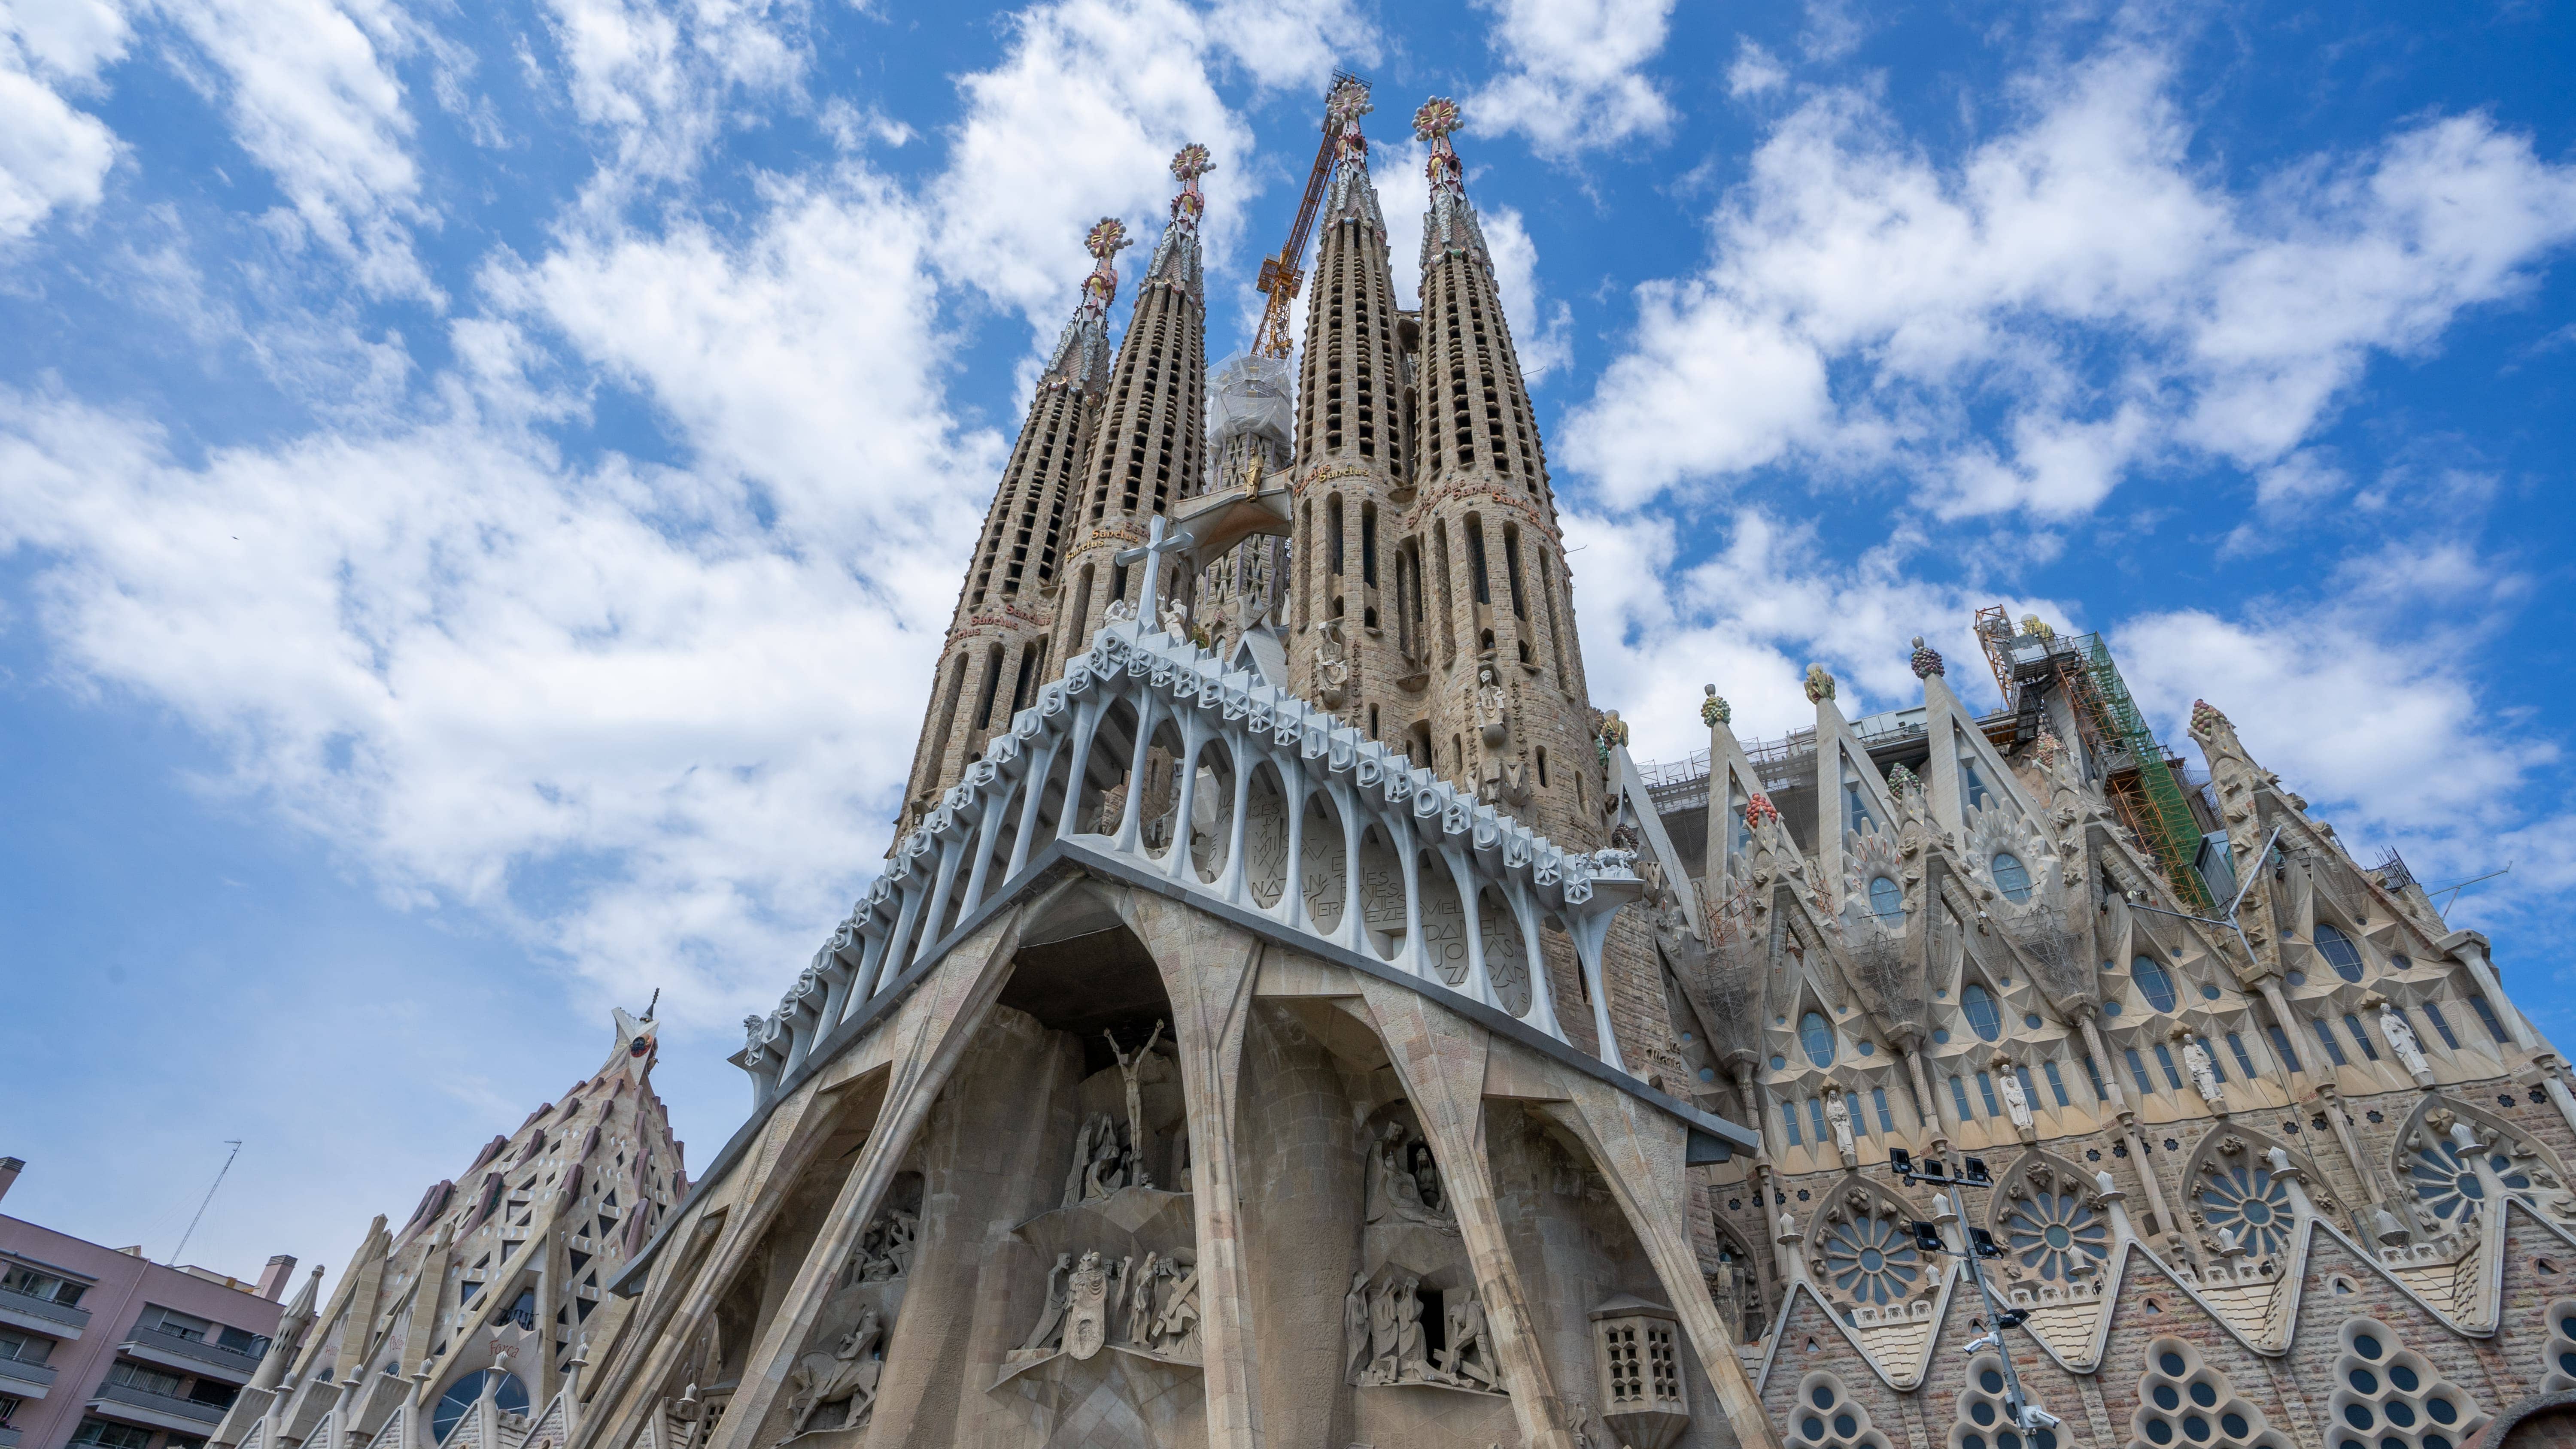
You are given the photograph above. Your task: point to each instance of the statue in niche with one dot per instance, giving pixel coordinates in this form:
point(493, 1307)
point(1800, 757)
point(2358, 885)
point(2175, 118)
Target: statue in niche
point(1140, 1302)
point(1382, 1360)
point(1468, 1361)
point(1129, 1067)
point(2016, 1101)
point(1405, 1181)
point(1086, 1325)
point(1838, 1113)
point(2204, 1074)
point(1176, 1328)
point(1493, 723)
point(847, 1375)
point(1333, 668)
point(1051, 1323)
point(1101, 1175)
point(885, 1249)
point(2401, 1039)
point(1355, 1329)
point(1412, 1363)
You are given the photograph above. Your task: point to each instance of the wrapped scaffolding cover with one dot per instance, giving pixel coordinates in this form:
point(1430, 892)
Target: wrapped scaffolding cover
point(1252, 395)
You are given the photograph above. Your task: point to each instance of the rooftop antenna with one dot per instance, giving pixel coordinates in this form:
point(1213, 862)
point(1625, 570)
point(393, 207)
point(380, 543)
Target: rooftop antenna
point(2453, 891)
point(235, 1144)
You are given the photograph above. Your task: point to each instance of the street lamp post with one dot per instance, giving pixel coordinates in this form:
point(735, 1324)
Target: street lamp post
point(1980, 1244)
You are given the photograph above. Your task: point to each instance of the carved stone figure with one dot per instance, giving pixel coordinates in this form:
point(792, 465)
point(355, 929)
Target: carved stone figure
point(1051, 1323)
point(1820, 685)
point(1175, 618)
point(1382, 1317)
point(1176, 1328)
point(1102, 1177)
point(1129, 1066)
point(2401, 1039)
point(2016, 1101)
point(1493, 723)
point(1412, 1363)
point(2204, 1074)
point(1468, 1359)
point(1140, 1302)
point(885, 1249)
point(1838, 1113)
point(1355, 1329)
point(847, 1375)
point(1332, 667)
point(1086, 1325)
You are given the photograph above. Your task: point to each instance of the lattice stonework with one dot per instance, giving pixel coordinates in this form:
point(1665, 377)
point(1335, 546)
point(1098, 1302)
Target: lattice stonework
point(1642, 1398)
point(1826, 1418)
point(2388, 1397)
point(1980, 1422)
point(2558, 1357)
point(2183, 1401)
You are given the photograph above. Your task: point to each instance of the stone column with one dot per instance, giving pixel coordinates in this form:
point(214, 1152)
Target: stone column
point(1208, 969)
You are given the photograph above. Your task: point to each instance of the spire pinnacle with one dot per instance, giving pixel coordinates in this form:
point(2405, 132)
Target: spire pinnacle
point(1106, 239)
point(1189, 165)
point(1343, 107)
point(1435, 122)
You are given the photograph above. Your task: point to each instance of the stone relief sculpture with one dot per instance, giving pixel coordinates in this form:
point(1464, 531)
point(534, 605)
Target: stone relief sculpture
point(1176, 1328)
point(1404, 1181)
point(1129, 1065)
point(1099, 1164)
point(2204, 1075)
point(885, 1249)
point(1140, 1301)
point(1086, 1326)
point(1051, 1323)
point(2401, 1040)
point(847, 1375)
point(2016, 1101)
point(1838, 1113)
point(1355, 1329)
point(1468, 1361)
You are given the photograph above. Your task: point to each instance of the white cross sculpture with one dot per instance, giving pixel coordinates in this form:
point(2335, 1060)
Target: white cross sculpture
point(1152, 554)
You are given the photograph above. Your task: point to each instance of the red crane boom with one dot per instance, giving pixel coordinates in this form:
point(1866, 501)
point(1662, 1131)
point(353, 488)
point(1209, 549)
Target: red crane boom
point(1281, 275)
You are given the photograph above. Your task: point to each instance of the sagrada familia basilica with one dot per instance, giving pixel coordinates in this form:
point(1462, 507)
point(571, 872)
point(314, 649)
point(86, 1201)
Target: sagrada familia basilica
point(1290, 1016)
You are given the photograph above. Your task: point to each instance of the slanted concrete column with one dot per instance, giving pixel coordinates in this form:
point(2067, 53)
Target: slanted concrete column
point(1441, 1062)
point(1642, 1154)
point(1208, 969)
point(936, 1029)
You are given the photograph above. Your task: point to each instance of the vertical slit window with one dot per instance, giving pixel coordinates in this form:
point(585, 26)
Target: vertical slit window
point(2487, 1014)
point(2281, 1047)
point(2433, 1012)
point(2244, 1058)
point(1333, 534)
point(1476, 559)
point(1816, 1119)
point(1878, 1100)
point(2334, 1050)
point(2217, 1073)
point(1959, 1098)
point(2360, 1038)
point(1368, 544)
point(2164, 1059)
point(2138, 1072)
point(2029, 1092)
point(2056, 1082)
point(1789, 1121)
point(1986, 1093)
point(2093, 1069)
point(1512, 569)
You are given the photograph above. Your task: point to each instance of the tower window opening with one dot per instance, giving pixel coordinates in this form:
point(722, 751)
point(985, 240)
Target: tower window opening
point(1485, 641)
point(1542, 767)
point(1476, 562)
point(1368, 544)
point(1458, 756)
point(1333, 529)
point(1372, 721)
point(1028, 666)
point(1512, 572)
point(992, 686)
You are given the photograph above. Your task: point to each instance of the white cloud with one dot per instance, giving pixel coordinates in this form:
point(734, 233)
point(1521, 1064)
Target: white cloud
point(656, 78)
point(1755, 71)
point(2076, 276)
point(1081, 118)
point(1573, 77)
point(313, 98)
point(52, 155)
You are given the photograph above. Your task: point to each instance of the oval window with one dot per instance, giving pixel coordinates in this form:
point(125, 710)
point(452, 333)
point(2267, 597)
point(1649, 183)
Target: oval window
point(2153, 983)
point(1817, 1036)
point(1886, 900)
point(2011, 876)
point(1982, 1015)
point(2339, 952)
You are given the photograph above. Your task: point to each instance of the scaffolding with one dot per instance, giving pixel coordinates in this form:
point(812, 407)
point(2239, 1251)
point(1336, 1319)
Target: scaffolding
point(2137, 773)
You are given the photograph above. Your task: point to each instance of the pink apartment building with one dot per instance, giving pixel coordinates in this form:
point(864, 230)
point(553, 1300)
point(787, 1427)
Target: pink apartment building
point(102, 1348)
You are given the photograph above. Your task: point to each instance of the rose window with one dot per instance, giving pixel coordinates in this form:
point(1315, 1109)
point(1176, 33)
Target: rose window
point(1871, 1259)
point(2446, 1180)
point(2249, 1202)
point(2055, 1233)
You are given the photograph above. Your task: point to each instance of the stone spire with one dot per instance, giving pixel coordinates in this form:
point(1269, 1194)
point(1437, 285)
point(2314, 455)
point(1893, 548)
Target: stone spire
point(998, 640)
point(1509, 706)
point(1351, 615)
point(510, 1270)
point(1148, 450)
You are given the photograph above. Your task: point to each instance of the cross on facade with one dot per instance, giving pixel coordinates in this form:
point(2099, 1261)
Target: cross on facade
point(1156, 545)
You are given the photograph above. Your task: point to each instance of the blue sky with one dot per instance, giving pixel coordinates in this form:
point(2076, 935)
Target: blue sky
point(480, 489)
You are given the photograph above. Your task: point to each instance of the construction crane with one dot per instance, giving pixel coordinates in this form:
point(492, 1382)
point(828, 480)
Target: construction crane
point(2137, 774)
point(1283, 274)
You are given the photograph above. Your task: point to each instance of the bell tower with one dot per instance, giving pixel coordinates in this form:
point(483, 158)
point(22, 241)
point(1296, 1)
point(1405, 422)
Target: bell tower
point(999, 642)
point(1507, 711)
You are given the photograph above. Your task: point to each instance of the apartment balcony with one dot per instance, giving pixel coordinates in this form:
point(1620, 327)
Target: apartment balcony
point(24, 1380)
point(195, 1355)
point(43, 1315)
point(8, 1437)
point(161, 1411)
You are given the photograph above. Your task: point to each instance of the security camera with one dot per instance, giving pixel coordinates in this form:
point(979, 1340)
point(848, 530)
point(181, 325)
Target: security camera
point(1982, 1343)
point(2034, 1418)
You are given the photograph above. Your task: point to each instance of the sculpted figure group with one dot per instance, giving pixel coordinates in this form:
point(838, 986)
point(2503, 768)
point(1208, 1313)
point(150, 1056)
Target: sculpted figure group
point(1384, 1342)
point(1152, 1306)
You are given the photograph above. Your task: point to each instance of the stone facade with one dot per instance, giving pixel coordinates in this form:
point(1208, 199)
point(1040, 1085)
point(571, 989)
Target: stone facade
point(469, 1326)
